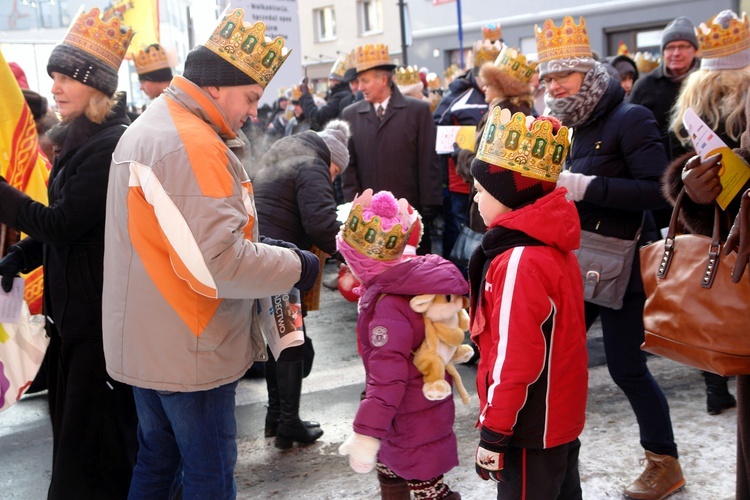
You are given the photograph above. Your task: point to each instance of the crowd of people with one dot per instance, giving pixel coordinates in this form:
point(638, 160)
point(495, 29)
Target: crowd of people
point(164, 229)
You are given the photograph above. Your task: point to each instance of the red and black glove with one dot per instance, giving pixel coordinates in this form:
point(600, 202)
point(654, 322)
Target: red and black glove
point(701, 179)
point(739, 238)
point(490, 457)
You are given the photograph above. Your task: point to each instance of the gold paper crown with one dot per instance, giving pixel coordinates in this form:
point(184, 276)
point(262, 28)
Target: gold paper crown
point(247, 47)
point(452, 71)
point(371, 56)
point(408, 75)
point(569, 41)
point(339, 68)
point(717, 41)
point(485, 51)
point(351, 59)
point(368, 237)
point(492, 32)
point(296, 93)
point(433, 81)
point(514, 63)
point(105, 40)
point(150, 59)
point(538, 153)
point(645, 62)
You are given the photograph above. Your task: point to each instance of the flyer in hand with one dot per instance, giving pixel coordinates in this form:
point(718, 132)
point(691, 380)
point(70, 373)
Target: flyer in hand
point(280, 319)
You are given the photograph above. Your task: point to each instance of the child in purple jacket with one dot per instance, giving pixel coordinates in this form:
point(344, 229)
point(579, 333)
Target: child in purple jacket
point(407, 437)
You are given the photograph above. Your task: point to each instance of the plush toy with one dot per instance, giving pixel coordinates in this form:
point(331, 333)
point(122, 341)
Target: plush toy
point(445, 321)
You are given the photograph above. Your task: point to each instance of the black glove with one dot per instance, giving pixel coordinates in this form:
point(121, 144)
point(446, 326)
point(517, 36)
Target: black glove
point(277, 243)
point(10, 265)
point(739, 238)
point(701, 179)
point(490, 457)
point(310, 270)
point(456, 151)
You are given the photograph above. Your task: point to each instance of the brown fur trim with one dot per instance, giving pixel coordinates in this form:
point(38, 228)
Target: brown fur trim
point(508, 85)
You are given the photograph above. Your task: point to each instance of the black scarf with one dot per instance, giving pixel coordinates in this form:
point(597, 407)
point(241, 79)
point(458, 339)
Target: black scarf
point(494, 242)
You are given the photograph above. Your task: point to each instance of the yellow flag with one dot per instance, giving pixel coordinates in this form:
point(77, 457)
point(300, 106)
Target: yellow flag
point(21, 161)
point(140, 15)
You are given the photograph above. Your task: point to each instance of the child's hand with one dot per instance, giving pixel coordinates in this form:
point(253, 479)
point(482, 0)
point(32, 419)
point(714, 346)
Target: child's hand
point(362, 451)
point(490, 458)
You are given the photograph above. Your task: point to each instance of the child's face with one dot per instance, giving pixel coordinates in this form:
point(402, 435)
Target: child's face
point(489, 207)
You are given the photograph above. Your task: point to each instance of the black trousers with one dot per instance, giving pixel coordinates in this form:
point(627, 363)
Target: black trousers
point(532, 474)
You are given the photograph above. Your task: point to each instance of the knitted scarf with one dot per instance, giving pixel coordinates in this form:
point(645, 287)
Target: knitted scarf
point(574, 110)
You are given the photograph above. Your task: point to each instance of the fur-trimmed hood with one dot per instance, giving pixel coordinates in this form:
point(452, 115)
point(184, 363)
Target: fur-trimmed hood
point(507, 84)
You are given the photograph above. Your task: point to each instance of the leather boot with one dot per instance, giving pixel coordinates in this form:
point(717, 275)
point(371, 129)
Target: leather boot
point(273, 412)
point(291, 429)
point(393, 488)
point(718, 397)
point(661, 478)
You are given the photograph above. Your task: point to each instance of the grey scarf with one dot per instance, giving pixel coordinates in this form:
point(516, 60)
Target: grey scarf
point(574, 110)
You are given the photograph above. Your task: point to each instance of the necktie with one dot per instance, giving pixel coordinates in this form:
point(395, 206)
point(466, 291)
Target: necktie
point(379, 112)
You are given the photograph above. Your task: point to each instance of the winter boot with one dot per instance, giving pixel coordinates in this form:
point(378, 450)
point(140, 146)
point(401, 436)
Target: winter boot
point(273, 412)
point(291, 429)
point(662, 477)
point(393, 488)
point(718, 397)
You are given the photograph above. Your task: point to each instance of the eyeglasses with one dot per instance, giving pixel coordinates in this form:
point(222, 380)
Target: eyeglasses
point(683, 47)
point(558, 78)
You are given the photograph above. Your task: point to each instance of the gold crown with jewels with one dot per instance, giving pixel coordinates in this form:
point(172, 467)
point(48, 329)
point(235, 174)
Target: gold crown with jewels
point(247, 47)
point(492, 32)
point(339, 68)
point(716, 41)
point(646, 62)
point(528, 147)
point(150, 59)
point(371, 56)
point(106, 40)
point(408, 75)
point(367, 236)
point(569, 41)
point(485, 51)
point(433, 81)
point(515, 64)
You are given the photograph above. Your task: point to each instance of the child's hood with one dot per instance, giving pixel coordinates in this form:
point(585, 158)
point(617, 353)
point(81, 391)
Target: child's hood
point(551, 219)
point(416, 276)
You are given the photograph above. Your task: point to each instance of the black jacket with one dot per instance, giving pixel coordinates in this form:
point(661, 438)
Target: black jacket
point(331, 109)
point(294, 193)
point(67, 237)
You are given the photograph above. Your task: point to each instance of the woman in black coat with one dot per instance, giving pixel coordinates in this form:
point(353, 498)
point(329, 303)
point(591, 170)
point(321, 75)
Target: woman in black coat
point(93, 417)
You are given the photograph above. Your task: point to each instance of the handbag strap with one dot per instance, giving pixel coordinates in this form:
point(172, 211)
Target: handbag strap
point(713, 249)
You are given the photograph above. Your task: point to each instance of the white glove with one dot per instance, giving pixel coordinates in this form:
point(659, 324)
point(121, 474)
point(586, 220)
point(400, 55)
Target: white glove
point(362, 451)
point(576, 184)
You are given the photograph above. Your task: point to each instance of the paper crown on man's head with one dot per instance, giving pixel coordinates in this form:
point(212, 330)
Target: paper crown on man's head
point(246, 47)
point(379, 226)
point(485, 51)
point(151, 63)
point(569, 41)
point(372, 56)
point(521, 144)
point(407, 75)
point(724, 41)
point(338, 69)
point(492, 32)
point(92, 51)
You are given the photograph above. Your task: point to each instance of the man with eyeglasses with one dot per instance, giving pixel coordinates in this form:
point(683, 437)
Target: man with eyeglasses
point(658, 90)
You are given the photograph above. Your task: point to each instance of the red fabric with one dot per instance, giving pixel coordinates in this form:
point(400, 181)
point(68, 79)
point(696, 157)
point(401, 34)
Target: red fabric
point(456, 183)
point(20, 75)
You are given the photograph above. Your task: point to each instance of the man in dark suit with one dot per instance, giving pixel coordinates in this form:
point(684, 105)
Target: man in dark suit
point(393, 141)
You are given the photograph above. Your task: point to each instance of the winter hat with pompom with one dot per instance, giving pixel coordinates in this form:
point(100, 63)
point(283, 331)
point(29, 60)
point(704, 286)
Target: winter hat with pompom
point(336, 135)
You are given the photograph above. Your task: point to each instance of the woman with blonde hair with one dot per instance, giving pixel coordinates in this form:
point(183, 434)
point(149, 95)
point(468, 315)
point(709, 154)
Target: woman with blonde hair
point(93, 417)
point(717, 93)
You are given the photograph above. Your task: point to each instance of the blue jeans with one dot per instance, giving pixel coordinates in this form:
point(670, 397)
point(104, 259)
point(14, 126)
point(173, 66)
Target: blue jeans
point(186, 438)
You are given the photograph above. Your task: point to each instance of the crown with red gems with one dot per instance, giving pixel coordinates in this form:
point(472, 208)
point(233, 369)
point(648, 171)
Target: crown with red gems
point(528, 147)
point(150, 59)
point(369, 238)
point(246, 47)
point(371, 56)
point(106, 40)
point(716, 41)
point(492, 32)
point(569, 41)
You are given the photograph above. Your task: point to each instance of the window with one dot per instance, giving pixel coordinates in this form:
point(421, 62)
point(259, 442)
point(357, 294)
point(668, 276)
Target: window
point(370, 16)
point(325, 24)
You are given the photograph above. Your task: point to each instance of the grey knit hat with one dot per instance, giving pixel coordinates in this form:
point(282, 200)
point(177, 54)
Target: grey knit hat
point(336, 135)
point(204, 68)
point(679, 29)
point(730, 52)
point(83, 67)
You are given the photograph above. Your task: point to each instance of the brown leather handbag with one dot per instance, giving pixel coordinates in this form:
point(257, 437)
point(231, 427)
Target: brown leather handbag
point(694, 313)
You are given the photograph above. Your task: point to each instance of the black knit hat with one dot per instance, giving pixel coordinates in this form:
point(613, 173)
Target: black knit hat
point(158, 75)
point(507, 186)
point(204, 68)
point(83, 67)
point(37, 103)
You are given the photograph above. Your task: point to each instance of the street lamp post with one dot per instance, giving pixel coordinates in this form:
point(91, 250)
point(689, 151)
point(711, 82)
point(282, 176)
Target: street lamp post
point(402, 15)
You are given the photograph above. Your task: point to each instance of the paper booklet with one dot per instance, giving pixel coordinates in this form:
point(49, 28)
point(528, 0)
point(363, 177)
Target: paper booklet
point(734, 172)
point(11, 303)
point(463, 135)
point(280, 318)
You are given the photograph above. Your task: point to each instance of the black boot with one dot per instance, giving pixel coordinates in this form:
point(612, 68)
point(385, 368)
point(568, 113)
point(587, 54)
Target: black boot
point(273, 412)
point(718, 397)
point(291, 429)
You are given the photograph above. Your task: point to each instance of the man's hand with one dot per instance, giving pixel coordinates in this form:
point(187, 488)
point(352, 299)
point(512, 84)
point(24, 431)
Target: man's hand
point(701, 179)
point(490, 457)
point(739, 238)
